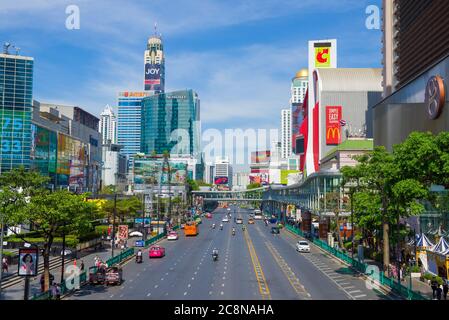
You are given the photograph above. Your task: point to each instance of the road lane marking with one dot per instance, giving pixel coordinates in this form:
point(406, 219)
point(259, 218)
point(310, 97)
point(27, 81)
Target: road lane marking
point(354, 291)
point(185, 293)
point(261, 280)
point(149, 294)
point(360, 296)
point(291, 277)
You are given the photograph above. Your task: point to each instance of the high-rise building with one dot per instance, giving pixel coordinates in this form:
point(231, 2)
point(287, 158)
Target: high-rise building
point(66, 146)
point(414, 39)
point(16, 94)
point(129, 121)
point(299, 110)
point(299, 87)
point(108, 126)
point(115, 167)
point(286, 133)
point(209, 173)
point(155, 65)
point(171, 122)
point(415, 71)
point(223, 172)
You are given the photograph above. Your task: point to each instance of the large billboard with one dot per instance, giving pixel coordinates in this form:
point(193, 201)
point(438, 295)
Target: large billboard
point(261, 176)
point(148, 172)
point(333, 125)
point(221, 181)
point(260, 157)
point(71, 162)
point(153, 81)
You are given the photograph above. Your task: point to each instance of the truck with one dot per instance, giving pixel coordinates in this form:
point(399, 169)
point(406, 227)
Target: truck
point(191, 229)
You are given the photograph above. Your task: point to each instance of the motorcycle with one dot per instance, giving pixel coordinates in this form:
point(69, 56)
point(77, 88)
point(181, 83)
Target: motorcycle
point(221, 227)
point(243, 228)
point(233, 232)
point(215, 257)
point(213, 226)
point(139, 259)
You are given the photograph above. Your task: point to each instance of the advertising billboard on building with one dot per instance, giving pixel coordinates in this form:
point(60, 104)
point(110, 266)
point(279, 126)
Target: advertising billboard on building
point(261, 176)
point(153, 77)
point(260, 157)
point(221, 180)
point(333, 125)
point(285, 174)
point(147, 171)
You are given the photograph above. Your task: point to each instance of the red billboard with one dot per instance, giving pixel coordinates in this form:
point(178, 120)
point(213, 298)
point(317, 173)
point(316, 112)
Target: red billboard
point(333, 125)
point(221, 180)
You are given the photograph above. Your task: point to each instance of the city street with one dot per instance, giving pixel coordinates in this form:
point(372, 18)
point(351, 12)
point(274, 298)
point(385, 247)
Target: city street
point(253, 265)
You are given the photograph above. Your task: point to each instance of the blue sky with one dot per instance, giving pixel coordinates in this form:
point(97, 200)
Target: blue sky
point(239, 56)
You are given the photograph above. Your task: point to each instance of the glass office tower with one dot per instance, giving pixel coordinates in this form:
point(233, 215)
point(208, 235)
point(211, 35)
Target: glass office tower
point(129, 121)
point(16, 94)
point(171, 122)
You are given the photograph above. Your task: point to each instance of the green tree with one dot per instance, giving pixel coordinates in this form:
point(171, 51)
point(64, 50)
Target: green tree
point(50, 214)
point(382, 185)
point(252, 186)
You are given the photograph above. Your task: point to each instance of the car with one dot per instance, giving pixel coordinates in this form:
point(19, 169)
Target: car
point(225, 219)
point(303, 246)
point(275, 230)
point(239, 221)
point(136, 234)
point(182, 225)
point(173, 235)
point(66, 252)
point(229, 209)
point(208, 215)
point(250, 221)
point(157, 252)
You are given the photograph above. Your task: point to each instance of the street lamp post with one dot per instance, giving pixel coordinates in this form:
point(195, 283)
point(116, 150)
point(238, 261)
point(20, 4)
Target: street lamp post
point(63, 253)
point(113, 223)
point(1, 250)
point(352, 222)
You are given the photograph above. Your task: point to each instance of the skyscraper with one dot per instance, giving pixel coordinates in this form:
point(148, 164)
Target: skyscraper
point(286, 133)
point(108, 126)
point(171, 122)
point(299, 87)
point(299, 110)
point(16, 94)
point(129, 121)
point(155, 65)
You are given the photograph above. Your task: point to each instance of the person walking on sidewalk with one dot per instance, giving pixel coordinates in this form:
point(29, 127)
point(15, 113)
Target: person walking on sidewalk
point(4, 265)
point(439, 291)
point(434, 286)
point(82, 266)
point(445, 289)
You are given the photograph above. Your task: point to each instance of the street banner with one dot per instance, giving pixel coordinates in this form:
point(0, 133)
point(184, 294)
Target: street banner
point(28, 262)
point(123, 232)
point(333, 125)
point(139, 221)
point(139, 243)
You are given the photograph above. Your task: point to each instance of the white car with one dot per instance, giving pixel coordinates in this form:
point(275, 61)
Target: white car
point(172, 236)
point(225, 219)
point(303, 246)
point(239, 221)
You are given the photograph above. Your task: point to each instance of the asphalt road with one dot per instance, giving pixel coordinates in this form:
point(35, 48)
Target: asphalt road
point(252, 265)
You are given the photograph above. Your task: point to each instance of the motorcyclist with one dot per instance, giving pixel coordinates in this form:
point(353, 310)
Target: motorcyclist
point(139, 255)
point(215, 254)
point(243, 228)
point(221, 226)
point(213, 226)
point(233, 231)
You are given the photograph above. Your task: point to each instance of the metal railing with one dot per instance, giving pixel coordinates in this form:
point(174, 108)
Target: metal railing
point(363, 267)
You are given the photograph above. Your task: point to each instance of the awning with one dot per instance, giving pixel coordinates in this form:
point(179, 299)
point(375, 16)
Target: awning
point(441, 247)
point(423, 241)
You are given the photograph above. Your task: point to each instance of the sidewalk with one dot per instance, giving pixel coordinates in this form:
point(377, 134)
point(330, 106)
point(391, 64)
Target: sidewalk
point(16, 292)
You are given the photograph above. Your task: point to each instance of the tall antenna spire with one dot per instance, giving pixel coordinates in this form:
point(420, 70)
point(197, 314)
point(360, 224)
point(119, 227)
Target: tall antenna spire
point(155, 28)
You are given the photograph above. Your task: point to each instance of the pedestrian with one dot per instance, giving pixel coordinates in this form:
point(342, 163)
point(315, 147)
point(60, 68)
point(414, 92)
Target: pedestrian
point(82, 266)
point(53, 290)
point(434, 286)
point(439, 291)
point(4, 265)
point(445, 289)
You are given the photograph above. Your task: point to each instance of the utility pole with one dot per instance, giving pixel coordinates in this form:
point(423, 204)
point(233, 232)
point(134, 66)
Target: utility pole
point(63, 253)
point(113, 222)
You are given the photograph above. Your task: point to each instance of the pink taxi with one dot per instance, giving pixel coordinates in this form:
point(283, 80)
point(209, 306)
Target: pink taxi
point(157, 252)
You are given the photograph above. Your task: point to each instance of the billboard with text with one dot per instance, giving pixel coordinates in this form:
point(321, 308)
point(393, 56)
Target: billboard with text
point(333, 125)
point(153, 74)
point(221, 180)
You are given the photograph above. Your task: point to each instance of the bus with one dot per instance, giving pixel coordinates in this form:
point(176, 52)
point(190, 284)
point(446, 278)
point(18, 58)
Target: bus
point(258, 214)
point(191, 229)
